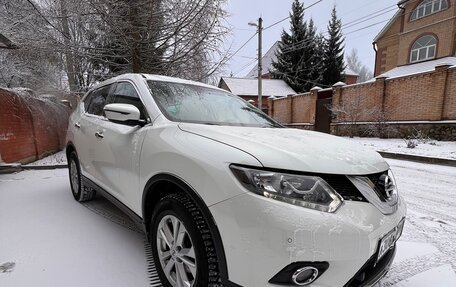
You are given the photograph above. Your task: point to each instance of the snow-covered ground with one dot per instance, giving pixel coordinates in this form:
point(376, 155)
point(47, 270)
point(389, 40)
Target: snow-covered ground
point(47, 239)
point(437, 149)
point(427, 250)
point(53, 159)
point(50, 240)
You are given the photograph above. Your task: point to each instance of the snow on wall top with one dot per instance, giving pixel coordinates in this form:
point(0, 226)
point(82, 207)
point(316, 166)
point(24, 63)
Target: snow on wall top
point(249, 87)
point(418, 68)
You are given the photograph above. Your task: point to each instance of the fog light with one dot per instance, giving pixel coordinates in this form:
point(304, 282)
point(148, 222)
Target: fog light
point(304, 276)
point(299, 273)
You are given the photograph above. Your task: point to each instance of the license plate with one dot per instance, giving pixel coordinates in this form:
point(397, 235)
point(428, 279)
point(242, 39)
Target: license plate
point(388, 241)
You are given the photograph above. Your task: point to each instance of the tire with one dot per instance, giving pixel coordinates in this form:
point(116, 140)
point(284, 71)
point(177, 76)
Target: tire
point(174, 254)
point(80, 192)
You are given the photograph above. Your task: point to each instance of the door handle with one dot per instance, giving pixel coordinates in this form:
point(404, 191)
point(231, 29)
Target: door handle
point(78, 125)
point(99, 135)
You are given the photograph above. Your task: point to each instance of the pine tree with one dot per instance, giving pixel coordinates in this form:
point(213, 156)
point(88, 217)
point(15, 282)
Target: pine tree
point(315, 54)
point(333, 62)
point(295, 55)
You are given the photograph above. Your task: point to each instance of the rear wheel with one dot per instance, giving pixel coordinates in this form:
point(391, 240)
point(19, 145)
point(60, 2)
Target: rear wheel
point(182, 244)
point(80, 192)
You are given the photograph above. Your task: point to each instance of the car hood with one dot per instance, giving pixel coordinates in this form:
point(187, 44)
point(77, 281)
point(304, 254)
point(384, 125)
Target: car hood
point(294, 149)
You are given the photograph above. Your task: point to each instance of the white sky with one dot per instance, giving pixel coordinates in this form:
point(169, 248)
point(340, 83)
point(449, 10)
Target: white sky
point(244, 11)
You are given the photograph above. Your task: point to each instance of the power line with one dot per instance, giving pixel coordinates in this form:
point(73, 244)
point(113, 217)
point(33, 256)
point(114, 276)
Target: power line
point(245, 67)
point(366, 18)
point(288, 17)
point(344, 26)
point(245, 57)
point(363, 28)
point(347, 25)
point(240, 48)
point(307, 81)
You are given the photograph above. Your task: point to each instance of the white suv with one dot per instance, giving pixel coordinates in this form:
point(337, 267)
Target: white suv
point(226, 195)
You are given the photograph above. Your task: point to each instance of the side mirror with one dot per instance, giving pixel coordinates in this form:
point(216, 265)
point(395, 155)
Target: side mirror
point(123, 114)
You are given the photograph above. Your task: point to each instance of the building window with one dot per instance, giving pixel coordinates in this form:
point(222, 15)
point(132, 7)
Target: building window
point(428, 7)
point(423, 49)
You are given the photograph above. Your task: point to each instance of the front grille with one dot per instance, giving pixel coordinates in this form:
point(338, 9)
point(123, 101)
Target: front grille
point(375, 177)
point(344, 187)
point(372, 271)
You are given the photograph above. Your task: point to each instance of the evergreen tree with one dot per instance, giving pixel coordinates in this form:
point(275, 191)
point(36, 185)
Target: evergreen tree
point(296, 52)
point(315, 54)
point(333, 62)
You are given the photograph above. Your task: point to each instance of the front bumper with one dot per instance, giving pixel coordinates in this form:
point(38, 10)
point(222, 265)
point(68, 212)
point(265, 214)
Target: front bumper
point(372, 272)
point(261, 236)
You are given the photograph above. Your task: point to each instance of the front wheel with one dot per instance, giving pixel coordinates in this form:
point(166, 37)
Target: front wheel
point(182, 244)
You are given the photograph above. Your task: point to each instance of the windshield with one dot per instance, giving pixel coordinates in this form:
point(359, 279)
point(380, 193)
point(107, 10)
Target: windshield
point(196, 104)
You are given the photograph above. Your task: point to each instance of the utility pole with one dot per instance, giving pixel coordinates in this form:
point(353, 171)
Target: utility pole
point(259, 25)
point(260, 66)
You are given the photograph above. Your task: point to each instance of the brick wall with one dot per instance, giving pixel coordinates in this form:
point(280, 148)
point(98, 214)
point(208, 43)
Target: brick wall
point(300, 114)
point(30, 127)
point(358, 99)
point(297, 109)
point(281, 109)
point(429, 96)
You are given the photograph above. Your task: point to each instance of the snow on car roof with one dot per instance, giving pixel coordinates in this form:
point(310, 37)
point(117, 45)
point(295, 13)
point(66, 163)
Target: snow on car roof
point(418, 68)
point(153, 77)
point(249, 87)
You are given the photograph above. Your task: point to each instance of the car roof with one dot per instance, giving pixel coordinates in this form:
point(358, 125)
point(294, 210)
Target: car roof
point(153, 77)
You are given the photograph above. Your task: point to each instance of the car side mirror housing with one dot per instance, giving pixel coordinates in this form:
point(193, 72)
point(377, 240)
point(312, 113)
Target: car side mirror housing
point(123, 114)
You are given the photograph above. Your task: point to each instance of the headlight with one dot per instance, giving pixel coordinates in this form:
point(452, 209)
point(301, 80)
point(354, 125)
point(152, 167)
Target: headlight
point(306, 191)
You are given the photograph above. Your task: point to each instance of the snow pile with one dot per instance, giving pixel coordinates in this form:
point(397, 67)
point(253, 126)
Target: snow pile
point(436, 149)
point(54, 159)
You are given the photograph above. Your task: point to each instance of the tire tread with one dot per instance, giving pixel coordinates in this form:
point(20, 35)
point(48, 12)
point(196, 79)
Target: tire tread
point(85, 193)
point(214, 279)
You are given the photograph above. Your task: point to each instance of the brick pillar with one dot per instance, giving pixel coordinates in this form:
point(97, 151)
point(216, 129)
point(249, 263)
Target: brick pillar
point(271, 106)
point(289, 100)
point(337, 96)
point(380, 81)
point(313, 96)
point(440, 82)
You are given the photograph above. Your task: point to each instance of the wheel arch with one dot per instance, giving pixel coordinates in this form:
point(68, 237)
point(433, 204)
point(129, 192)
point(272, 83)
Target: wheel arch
point(69, 149)
point(163, 184)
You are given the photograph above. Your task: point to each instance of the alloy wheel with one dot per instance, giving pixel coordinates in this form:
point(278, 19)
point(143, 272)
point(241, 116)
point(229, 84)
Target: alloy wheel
point(74, 176)
point(176, 252)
